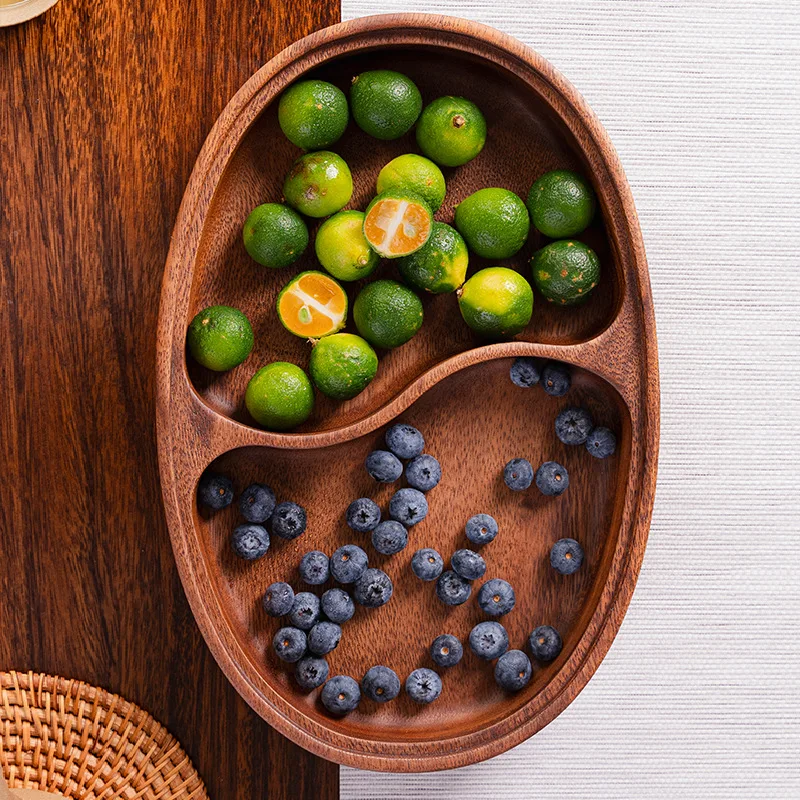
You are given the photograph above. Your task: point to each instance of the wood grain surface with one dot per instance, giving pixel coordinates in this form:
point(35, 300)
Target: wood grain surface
point(103, 109)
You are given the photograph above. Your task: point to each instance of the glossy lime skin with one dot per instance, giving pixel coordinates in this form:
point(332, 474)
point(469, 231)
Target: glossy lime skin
point(275, 235)
point(342, 365)
point(561, 204)
point(385, 104)
point(494, 222)
point(313, 114)
point(387, 314)
point(280, 396)
point(496, 302)
point(342, 248)
point(440, 265)
point(565, 272)
point(451, 131)
point(415, 174)
point(220, 338)
point(318, 184)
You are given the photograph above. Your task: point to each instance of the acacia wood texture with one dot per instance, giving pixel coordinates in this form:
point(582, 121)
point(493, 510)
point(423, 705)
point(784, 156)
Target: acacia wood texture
point(446, 381)
point(103, 109)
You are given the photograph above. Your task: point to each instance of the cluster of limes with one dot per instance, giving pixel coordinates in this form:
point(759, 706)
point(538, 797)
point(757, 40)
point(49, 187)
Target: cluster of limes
point(398, 224)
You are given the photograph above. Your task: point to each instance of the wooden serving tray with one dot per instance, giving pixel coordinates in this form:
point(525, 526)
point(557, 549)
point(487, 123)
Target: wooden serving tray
point(447, 382)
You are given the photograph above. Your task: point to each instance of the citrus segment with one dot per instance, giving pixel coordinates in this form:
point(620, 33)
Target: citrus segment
point(312, 305)
point(397, 226)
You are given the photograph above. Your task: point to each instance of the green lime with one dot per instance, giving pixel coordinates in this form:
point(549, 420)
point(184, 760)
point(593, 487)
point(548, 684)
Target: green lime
point(313, 114)
point(385, 104)
point(496, 302)
point(440, 265)
point(220, 338)
point(415, 174)
point(387, 314)
point(494, 222)
point(451, 131)
point(343, 249)
point(275, 235)
point(565, 272)
point(318, 184)
point(342, 365)
point(279, 396)
point(561, 204)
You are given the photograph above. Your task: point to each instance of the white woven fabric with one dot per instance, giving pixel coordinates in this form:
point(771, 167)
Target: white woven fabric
point(698, 696)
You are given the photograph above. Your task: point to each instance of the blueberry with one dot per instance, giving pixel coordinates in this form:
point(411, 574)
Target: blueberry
point(278, 599)
point(423, 685)
point(384, 466)
point(452, 589)
point(340, 694)
point(488, 640)
point(427, 564)
point(408, 506)
point(573, 425)
point(481, 529)
point(518, 474)
point(257, 503)
point(423, 473)
point(496, 597)
point(404, 441)
point(324, 637)
point(363, 515)
point(552, 479)
point(215, 491)
point(250, 541)
point(468, 564)
point(311, 672)
point(288, 520)
point(601, 443)
point(289, 644)
point(545, 643)
point(305, 611)
point(380, 684)
point(389, 537)
point(525, 372)
point(512, 670)
point(348, 563)
point(315, 568)
point(555, 379)
point(338, 606)
point(446, 650)
point(566, 556)
point(374, 588)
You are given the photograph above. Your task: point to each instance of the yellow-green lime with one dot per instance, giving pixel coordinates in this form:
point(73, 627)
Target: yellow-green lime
point(318, 184)
point(342, 365)
point(313, 114)
point(275, 235)
point(385, 104)
point(220, 338)
point(451, 131)
point(496, 302)
point(565, 272)
point(343, 249)
point(494, 222)
point(387, 314)
point(415, 174)
point(561, 204)
point(440, 265)
point(279, 396)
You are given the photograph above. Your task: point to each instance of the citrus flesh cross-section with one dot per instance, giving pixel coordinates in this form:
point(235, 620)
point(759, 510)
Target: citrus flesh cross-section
point(397, 226)
point(312, 305)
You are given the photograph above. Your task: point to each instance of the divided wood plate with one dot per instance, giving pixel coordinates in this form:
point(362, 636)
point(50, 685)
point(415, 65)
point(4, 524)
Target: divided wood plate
point(447, 382)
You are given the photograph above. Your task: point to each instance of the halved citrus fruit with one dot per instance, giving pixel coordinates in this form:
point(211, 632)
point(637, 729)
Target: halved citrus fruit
point(312, 305)
point(397, 224)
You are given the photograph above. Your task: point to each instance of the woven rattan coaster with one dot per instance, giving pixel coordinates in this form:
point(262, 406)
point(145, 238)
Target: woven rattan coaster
point(64, 736)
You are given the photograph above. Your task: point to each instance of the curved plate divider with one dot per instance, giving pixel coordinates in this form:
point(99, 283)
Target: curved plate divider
point(456, 389)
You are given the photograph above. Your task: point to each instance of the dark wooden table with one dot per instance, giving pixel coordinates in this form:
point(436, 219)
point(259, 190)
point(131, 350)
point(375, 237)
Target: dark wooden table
point(104, 105)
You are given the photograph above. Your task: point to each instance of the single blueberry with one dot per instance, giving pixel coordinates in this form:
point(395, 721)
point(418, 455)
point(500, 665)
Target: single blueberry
point(512, 670)
point(380, 684)
point(257, 503)
point(545, 643)
point(518, 474)
point(408, 506)
point(446, 650)
point(340, 694)
point(573, 425)
point(305, 611)
point(278, 599)
point(384, 466)
point(250, 541)
point(310, 672)
point(324, 637)
point(363, 515)
point(215, 491)
point(289, 644)
point(555, 378)
point(468, 564)
point(288, 520)
point(481, 529)
point(601, 443)
point(525, 372)
point(423, 473)
point(423, 685)
point(348, 563)
point(427, 564)
point(374, 588)
point(315, 567)
point(496, 597)
point(337, 605)
point(552, 479)
point(566, 556)
point(405, 441)
point(488, 640)
point(389, 537)
point(452, 589)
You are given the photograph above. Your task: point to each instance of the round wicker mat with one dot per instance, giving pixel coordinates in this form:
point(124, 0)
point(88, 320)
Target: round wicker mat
point(64, 736)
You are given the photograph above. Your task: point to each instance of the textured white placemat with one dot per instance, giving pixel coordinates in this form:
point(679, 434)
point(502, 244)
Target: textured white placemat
point(698, 696)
